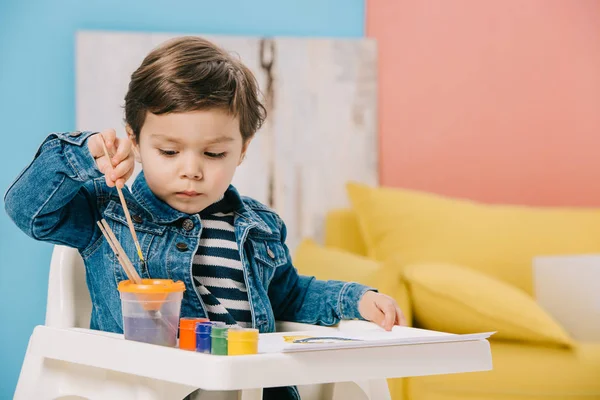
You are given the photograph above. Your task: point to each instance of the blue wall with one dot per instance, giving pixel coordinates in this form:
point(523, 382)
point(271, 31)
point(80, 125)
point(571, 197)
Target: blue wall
point(37, 96)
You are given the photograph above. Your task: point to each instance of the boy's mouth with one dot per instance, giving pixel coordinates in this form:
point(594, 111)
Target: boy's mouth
point(188, 193)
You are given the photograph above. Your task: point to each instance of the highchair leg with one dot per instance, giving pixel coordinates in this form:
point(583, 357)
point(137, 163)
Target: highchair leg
point(48, 379)
point(362, 390)
point(250, 394)
point(376, 389)
point(33, 382)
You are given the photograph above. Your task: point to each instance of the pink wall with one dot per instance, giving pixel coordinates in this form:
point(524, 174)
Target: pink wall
point(495, 100)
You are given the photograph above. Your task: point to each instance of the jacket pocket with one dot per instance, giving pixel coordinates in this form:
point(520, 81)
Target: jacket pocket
point(269, 255)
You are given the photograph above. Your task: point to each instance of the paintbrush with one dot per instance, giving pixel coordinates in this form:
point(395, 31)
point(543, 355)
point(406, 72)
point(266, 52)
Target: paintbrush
point(125, 209)
point(114, 244)
point(129, 269)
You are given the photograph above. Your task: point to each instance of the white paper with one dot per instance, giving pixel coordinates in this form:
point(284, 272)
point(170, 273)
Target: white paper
point(276, 343)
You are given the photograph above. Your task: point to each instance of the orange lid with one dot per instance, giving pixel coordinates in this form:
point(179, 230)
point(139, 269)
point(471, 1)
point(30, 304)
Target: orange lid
point(152, 286)
point(190, 323)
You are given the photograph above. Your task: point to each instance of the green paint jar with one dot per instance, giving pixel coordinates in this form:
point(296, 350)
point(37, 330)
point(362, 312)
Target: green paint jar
point(218, 336)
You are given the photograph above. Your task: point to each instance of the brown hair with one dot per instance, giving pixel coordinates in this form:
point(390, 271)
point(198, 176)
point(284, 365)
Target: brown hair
point(189, 74)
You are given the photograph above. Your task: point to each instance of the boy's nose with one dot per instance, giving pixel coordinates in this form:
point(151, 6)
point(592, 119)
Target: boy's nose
point(192, 169)
point(195, 176)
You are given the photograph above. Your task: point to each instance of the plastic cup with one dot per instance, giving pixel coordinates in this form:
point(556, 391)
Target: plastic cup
point(218, 336)
point(242, 341)
point(187, 332)
point(151, 310)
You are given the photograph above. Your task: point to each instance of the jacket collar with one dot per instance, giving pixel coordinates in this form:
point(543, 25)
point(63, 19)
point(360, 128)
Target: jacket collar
point(246, 213)
point(163, 213)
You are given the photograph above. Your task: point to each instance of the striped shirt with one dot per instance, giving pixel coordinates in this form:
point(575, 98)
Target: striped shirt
point(217, 269)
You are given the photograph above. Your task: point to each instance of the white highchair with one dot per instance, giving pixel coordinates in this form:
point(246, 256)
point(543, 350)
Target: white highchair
point(56, 367)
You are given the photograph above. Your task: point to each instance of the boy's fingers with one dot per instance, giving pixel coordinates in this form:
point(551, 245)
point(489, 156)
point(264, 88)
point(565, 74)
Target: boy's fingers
point(109, 182)
point(109, 136)
point(128, 174)
point(95, 143)
point(400, 318)
point(103, 165)
point(121, 170)
point(123, 150)
point(390, 316)
point(378, 317)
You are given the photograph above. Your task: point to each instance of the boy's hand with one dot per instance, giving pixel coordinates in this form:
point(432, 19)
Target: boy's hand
point(120, 150)
point(381, 309)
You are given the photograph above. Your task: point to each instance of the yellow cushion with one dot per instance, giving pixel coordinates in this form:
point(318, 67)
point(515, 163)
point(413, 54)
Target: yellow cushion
point(499, 240)
point(455, 299)
point(520, 372)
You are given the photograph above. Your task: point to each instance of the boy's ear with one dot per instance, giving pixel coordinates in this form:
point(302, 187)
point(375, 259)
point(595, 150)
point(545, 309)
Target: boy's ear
point(244, 149)
point(135, 145)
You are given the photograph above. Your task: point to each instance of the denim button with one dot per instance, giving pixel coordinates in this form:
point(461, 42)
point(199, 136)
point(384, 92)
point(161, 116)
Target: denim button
point(137, 219)
point(75, 134)
point(188, 224)
point(270, 253)
point(181, 246)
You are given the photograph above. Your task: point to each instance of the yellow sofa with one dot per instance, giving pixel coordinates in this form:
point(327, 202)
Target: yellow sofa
point(454, 265)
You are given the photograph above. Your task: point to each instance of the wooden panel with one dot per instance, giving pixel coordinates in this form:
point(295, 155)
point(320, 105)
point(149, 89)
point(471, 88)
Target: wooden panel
point(321, 128)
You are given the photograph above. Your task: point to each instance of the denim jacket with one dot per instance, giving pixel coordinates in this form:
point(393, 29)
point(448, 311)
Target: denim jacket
point(59, 197)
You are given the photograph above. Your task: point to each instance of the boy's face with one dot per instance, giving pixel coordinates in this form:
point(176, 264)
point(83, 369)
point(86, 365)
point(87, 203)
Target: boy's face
point(189, 158)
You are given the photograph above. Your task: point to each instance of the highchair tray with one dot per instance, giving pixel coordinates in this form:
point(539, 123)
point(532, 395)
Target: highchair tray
point(433, 353)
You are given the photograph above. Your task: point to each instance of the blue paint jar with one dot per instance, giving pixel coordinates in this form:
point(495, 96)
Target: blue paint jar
point(203, 342)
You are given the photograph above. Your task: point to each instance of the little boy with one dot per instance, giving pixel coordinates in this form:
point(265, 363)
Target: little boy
point(191, 112)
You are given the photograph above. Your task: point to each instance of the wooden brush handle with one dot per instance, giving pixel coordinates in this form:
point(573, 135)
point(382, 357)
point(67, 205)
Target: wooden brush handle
point(125, 208)
point(129, 268)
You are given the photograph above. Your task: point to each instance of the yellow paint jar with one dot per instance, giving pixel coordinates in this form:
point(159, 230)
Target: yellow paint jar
point(242, 341)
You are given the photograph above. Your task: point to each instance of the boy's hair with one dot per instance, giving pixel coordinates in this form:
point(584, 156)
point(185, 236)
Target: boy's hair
point(190, 74)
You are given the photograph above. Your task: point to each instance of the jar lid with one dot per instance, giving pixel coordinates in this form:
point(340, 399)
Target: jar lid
point(190, 323)
point(219, 330)
point(151, 286)
point(243, 334)
point(203, 327)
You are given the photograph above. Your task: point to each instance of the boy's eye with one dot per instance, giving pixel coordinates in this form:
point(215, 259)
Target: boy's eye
point(167, 152)
point(215, 155)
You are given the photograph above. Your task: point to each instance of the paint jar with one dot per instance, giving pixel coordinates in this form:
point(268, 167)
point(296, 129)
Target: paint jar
point(218, 337)
point(151, 310)
point(187, 332)
point(242, 341)
point(203, 330)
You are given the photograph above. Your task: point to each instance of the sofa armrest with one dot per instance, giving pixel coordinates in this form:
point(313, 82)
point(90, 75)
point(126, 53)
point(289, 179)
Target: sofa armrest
point(343, 232)
point(328, 263)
